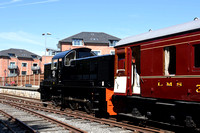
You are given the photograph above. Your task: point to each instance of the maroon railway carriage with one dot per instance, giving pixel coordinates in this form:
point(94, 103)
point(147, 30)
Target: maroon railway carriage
point(157, 75)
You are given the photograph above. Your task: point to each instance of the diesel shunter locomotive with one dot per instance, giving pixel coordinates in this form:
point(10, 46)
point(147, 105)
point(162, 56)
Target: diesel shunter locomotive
point(79, 79)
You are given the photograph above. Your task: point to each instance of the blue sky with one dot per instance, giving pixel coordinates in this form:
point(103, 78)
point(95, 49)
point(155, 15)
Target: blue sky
point(22, 22)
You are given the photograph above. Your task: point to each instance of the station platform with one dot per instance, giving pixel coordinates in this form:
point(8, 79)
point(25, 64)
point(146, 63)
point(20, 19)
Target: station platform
point(31, 92)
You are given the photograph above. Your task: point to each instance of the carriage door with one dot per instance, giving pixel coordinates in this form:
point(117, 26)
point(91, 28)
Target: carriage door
point(122, 73)
point(135, 73)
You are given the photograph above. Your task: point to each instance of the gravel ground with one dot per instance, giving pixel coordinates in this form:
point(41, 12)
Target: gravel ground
point(86, 125)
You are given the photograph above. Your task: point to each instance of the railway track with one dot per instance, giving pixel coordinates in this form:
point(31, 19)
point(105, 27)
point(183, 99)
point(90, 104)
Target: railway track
point(84, 121)
point(37, 122)
point(13, 124)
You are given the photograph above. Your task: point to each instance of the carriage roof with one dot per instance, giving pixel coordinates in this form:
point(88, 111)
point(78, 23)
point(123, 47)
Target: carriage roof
point(193, 25)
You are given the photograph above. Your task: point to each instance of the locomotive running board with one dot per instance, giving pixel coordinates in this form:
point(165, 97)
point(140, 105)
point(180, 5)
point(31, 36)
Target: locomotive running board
point(130, 115)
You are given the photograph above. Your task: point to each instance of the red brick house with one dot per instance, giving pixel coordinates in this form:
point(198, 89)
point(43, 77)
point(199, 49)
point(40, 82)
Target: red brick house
point(100, 43)
point(14, 62)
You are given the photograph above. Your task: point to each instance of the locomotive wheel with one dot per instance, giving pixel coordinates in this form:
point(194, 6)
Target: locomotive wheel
point(73, 105)
point(88, 107)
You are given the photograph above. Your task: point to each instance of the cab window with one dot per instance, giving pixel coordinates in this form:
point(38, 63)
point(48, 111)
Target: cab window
point(69, 57)
point(54, 64)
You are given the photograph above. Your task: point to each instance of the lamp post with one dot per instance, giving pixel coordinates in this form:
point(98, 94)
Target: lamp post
point(45, 43)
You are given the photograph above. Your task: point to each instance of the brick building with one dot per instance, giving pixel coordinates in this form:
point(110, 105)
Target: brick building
point(100, 43)
point(14, 62)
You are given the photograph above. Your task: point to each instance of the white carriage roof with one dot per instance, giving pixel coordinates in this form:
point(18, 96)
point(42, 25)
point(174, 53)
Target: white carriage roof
point(162, 32)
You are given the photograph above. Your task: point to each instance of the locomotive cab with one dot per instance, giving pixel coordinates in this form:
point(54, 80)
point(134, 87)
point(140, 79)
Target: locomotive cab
point(65, 59)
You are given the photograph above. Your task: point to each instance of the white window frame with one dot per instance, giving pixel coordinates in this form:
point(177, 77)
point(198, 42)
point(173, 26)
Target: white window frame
point(26, 64)
point(97, 50)
point(74, 44)
point(12, 62)
point(112, 51)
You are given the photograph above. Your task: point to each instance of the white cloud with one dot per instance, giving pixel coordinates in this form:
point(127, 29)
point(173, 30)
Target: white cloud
point(11, 3)
point(20, 36)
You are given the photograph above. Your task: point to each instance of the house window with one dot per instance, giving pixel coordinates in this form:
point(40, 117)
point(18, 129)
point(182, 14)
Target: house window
point(197, 55)
point(35, 72)
point(23, 72)
point(11, 54)
point(12, 71)
point(77, 42)
point(35, 64)
point(97, 52)
point(12, 64)
point(24, 64)
point(112, 52)
point(112, 43)
point(170, 60)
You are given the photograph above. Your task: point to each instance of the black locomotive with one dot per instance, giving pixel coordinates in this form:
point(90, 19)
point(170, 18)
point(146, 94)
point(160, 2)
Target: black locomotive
point(79, 79)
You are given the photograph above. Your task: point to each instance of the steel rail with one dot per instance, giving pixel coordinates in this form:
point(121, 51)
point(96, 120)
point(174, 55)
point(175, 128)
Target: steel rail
point(9, 128)
point(27, 128)
point(62, 124)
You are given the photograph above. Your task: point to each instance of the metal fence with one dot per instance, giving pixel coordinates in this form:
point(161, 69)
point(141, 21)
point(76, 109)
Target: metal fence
point(33, 80)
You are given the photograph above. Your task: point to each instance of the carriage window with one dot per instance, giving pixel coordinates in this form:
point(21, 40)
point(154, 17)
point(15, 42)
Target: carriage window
point(170, 60)
point(54, 64)
point(69, 57)
point(197, 55)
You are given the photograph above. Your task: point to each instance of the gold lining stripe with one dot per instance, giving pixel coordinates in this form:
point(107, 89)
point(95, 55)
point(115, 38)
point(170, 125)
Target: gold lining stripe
point(171, 39)
point(170, 45)
point(178, 76)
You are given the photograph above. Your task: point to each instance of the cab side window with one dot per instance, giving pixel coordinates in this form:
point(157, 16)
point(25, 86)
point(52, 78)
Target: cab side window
point(69, 57)
point(54, 64)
